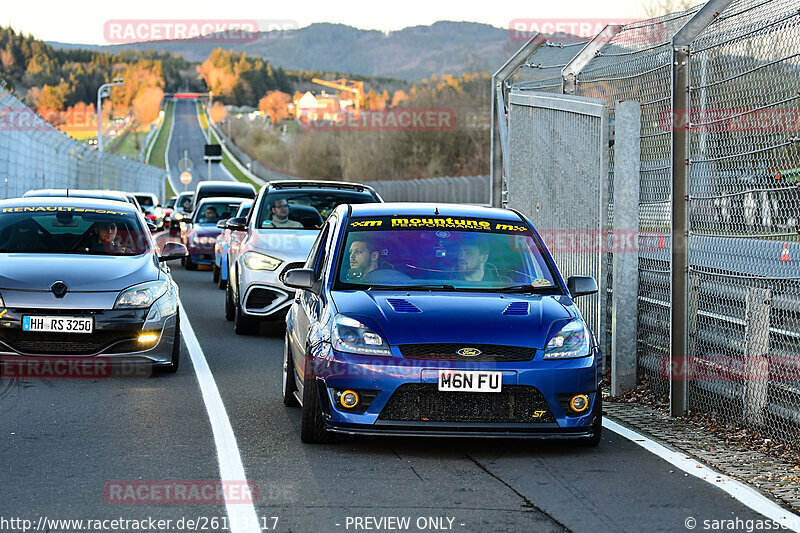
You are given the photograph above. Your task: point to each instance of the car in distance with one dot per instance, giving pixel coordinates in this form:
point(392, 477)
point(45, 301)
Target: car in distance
point(219, 189)
point(151, 207)
point(220, 274)
point(169, 207)
point(183, 210)
point(81, 277)
point(423, 319)
point(200, 234)
point(280, 230)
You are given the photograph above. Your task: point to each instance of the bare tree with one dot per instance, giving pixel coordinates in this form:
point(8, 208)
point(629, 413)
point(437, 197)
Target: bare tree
point(657, 8)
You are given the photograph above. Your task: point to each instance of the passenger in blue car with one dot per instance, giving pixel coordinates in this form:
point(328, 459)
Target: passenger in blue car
point(473, 262)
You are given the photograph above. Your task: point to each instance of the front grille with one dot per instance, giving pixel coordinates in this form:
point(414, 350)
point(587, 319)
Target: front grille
point(70, 344)
point(260, 298)
point(424, 402)
point(449, 352)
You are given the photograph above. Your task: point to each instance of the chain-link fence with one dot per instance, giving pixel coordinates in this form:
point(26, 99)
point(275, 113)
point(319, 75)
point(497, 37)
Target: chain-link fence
point(34, 155)
point(731, 133)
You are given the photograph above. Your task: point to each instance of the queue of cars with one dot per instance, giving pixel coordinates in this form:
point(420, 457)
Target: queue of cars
point(401, 319)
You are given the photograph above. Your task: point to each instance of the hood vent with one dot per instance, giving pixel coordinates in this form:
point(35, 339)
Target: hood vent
point(403, 306)
point(516, 308)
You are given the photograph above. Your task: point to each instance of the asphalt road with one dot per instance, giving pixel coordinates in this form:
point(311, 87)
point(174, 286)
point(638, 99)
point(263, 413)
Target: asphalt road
point(63, 441)
point(188, 141)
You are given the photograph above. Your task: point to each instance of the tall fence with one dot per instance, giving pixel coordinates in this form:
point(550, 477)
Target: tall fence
point(456, 190)
point(34, 154)
point(718, 307)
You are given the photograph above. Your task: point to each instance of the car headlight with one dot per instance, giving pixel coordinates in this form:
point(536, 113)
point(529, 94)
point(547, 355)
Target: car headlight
point(142, 295)
point(351, 336)
point(203, 240)
point(572, 341)
point(257, 261)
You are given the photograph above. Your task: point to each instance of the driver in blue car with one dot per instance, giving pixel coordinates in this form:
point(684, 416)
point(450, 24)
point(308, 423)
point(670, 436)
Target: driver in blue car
point(364, 258)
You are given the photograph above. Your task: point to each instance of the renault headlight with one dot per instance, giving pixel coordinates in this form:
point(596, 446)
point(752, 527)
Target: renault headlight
point(257, 261)
point(351, 336)
point(142, 295)
point(572, 341)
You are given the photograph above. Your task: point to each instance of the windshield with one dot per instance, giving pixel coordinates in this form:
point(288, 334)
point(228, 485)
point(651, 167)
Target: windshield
point(447, 253)
point(305, 209)
point(184, 202)
point(145, 200)
point(70, 230)
point(213, 212)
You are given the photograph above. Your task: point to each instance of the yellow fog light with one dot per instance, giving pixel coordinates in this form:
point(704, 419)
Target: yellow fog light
point(579, 403)
point(148, 337)
point(349, 399)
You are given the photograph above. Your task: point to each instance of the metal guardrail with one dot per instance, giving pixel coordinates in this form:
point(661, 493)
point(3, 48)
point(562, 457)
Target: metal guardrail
point(34, 154)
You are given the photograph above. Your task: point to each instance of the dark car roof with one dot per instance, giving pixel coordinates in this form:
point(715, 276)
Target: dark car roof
point(223, 185)
point(429, 209)
point(318, 184)
point(223, 199)
point(63, 201)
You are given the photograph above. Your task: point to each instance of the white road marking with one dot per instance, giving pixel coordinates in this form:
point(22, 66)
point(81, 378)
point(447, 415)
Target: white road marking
point(242, 516)
point(740, 491)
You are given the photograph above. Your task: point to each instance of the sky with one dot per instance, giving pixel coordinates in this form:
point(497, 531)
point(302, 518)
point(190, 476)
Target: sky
point(44, 19)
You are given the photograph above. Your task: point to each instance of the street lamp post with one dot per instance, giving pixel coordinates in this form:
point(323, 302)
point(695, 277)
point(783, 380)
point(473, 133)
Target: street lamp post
point(102, 92)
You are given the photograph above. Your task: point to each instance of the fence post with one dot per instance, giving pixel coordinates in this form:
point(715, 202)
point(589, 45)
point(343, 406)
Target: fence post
point(499, 147)
point(625, 298)
point(679, 264)
point(756, 352)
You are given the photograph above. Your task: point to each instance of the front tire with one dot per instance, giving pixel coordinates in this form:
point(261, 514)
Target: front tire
point(190, 265)
point(312, 426)
point(597, 425)
point(243, 325)
point(229, 307)
point(215, 274)
point(288, 385)
point(175, 362)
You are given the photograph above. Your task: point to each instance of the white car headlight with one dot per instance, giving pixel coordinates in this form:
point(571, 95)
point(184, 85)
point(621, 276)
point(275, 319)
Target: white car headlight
point(351, 336)
point(572, 341)
point(142, 295)
point(257, 261)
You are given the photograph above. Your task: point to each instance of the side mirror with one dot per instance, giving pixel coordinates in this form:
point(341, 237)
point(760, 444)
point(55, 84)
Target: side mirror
point(152, 227)
point(237, 224)
point(222, 223)
point(173, 250)
point(581, 285)
point(300, 278)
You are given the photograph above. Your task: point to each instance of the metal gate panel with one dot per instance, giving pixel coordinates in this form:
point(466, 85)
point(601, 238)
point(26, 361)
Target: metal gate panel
point(558, 177)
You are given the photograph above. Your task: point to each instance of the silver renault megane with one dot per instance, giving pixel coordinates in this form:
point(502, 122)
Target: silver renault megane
point(81, 278)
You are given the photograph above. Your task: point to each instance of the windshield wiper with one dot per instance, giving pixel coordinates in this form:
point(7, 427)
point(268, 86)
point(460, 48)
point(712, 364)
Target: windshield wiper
point(432, 287)
point(528, 288)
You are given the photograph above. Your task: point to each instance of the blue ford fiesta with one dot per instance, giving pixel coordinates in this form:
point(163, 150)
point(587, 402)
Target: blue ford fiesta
point(438, 320)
